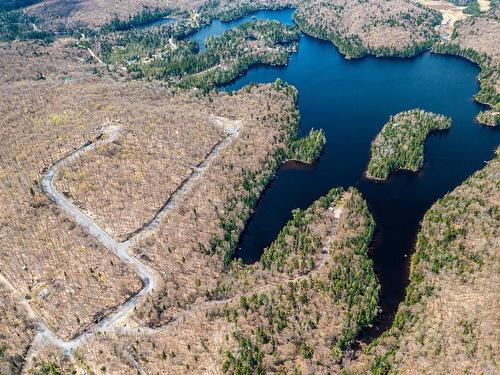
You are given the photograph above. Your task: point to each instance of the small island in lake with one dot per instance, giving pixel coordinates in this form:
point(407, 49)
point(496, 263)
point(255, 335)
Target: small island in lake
point(400, 144)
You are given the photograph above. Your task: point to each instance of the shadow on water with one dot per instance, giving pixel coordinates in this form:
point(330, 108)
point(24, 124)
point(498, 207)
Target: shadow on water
point(351, 101)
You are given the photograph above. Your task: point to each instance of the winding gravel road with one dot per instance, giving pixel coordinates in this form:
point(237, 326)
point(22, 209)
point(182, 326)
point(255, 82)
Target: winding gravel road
point(45, 335)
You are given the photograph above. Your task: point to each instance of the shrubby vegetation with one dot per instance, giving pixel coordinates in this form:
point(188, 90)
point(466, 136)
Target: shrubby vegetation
point(461, 2)
point(248, 359)
point(47, 368)
point(400, 144)
point(471, 6)
point(146, 16)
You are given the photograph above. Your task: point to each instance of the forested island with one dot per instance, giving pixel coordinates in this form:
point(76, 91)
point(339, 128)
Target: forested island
point(400, 143)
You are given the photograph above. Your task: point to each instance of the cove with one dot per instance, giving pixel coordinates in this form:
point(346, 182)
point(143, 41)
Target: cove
point(351, 101)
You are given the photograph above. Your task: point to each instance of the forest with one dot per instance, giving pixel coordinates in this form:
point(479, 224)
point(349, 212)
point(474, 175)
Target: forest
point(337, 298)
point(16, 24)
point(306, 149)
point(146, 16)
point(408, 28)
point(400, 143)
point(16, 4)
point(440, 321)
point(303, 306)
point(472, 8)
point(159, 55)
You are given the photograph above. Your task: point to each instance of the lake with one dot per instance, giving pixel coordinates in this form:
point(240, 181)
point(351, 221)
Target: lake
point(351, 101)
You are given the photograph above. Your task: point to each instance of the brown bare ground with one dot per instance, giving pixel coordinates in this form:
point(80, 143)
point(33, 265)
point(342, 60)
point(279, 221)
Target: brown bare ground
point(451, 14)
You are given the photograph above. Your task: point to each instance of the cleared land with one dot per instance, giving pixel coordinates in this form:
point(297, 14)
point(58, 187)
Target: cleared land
point(378, 27)
point(70, 279)
point(477, 40)
point(451, 14)
point(400, 143)
point(448, 323)
point(123, 184)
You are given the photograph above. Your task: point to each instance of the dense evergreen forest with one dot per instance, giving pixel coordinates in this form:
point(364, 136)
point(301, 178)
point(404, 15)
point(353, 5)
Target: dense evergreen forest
point(400, 144)
point(16, 4)
point(16, 24)
point(472, 8)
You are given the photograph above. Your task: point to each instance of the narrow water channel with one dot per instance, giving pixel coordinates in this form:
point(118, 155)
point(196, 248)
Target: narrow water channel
point(351, 101)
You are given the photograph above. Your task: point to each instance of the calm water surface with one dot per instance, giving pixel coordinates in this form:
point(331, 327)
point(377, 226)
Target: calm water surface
point(351, 101)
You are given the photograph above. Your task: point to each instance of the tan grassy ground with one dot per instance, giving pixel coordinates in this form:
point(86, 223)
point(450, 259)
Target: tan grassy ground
point(451, 14)
point(449, 322)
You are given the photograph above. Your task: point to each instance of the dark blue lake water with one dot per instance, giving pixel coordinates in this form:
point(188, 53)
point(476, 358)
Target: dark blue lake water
point(351, 101)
